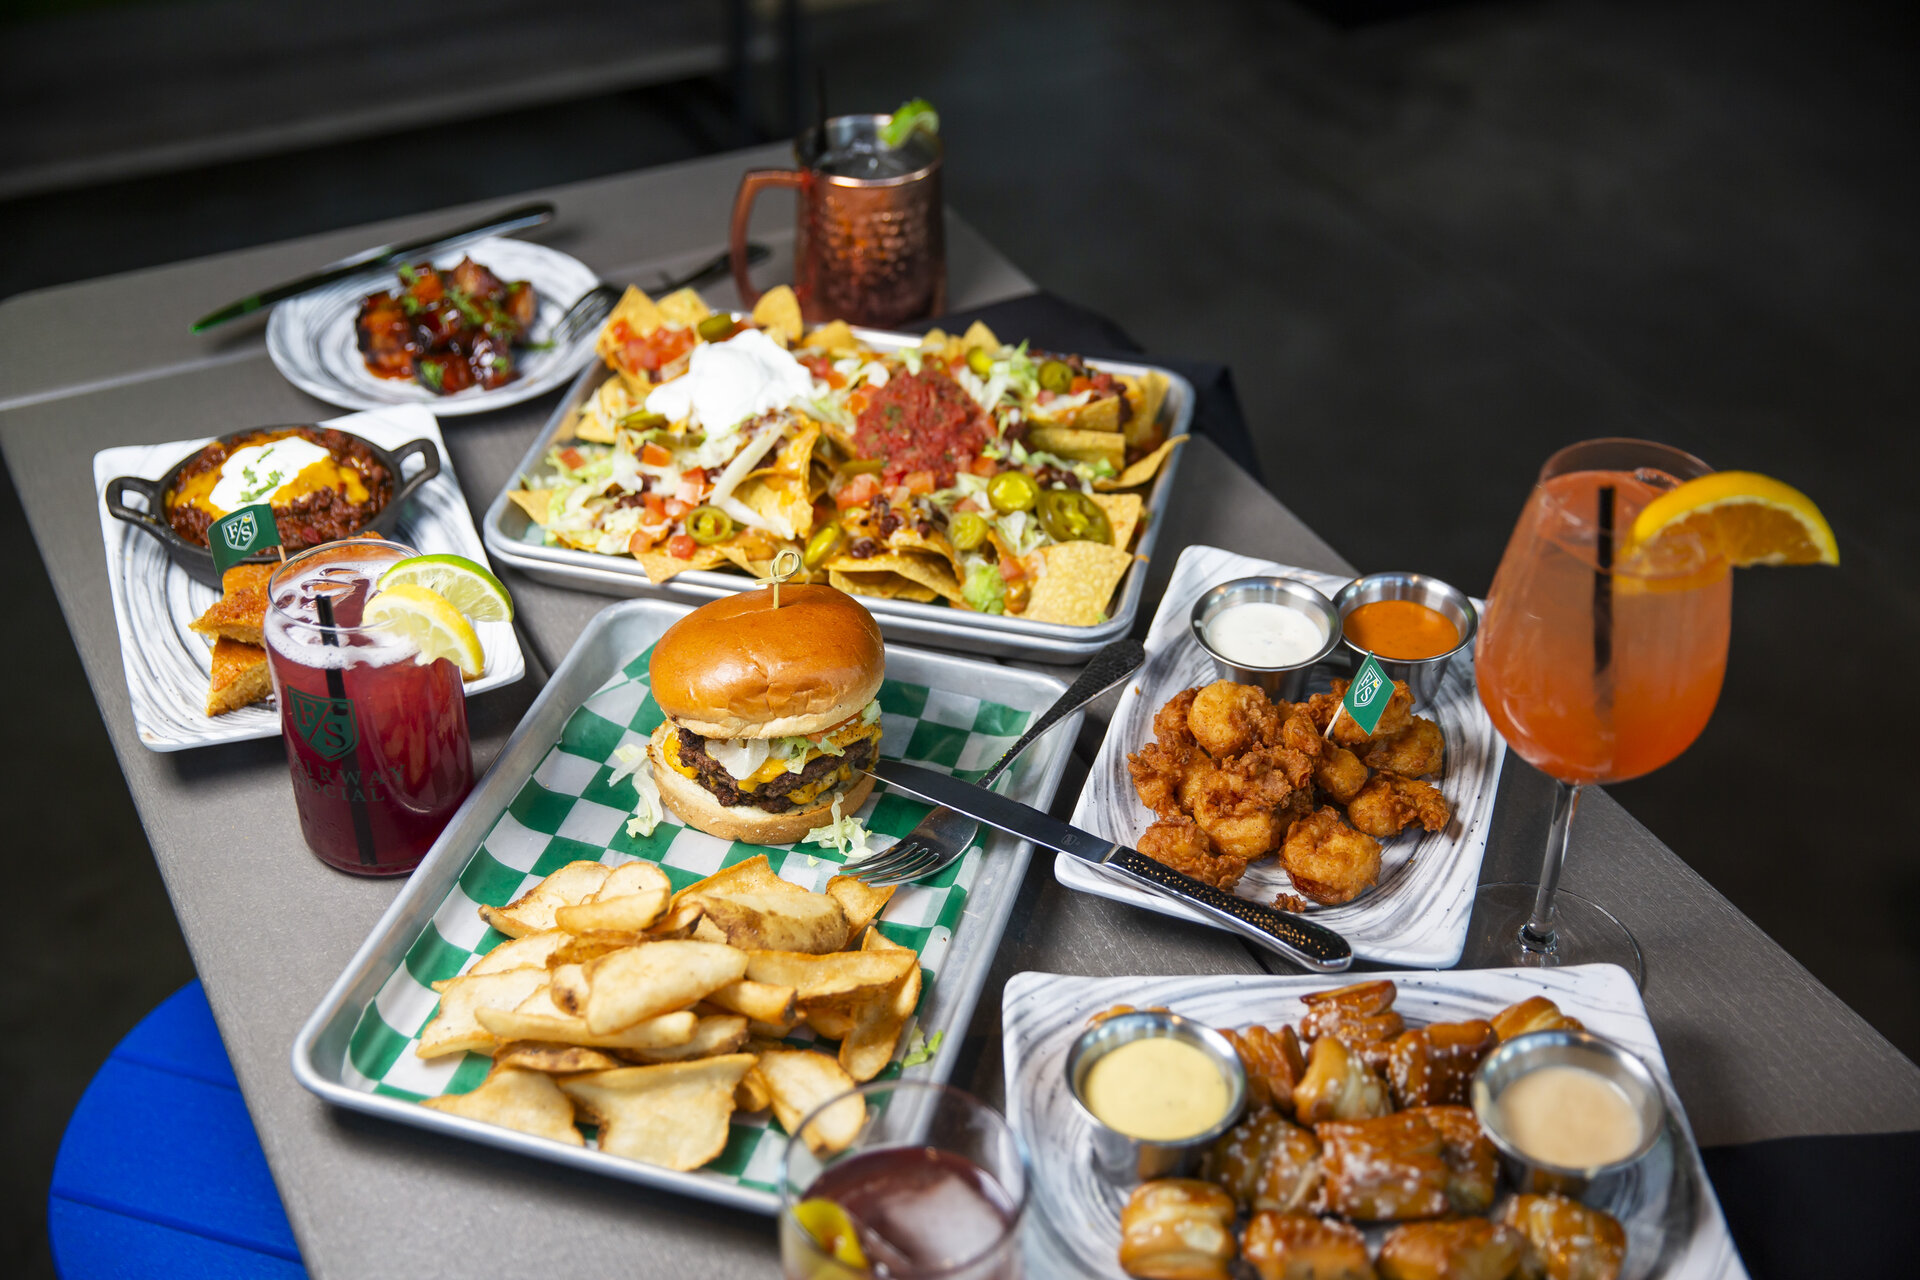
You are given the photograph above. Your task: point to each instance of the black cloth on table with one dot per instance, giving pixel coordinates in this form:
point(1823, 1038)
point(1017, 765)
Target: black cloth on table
point(1843, 1205)
point(1055, 324)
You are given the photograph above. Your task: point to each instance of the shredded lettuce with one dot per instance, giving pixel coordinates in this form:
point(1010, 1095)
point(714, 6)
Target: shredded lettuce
point(984, 589)
point(848, 836)
point(633, 764)
point(921, 1049)
point(870, 712)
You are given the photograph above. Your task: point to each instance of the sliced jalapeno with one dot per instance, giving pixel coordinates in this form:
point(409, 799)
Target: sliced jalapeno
point(1012, 491)
point(821, 546)
point(641, 420)
point(980, 360)
point(862, 466)
point(1071, 516)
point(708, 525)
point(1056, 376)
point(715, 327)
point(967, 531)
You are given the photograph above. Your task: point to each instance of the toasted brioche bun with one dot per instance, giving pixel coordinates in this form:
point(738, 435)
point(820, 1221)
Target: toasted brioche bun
point(739, 668)
point(696, 806)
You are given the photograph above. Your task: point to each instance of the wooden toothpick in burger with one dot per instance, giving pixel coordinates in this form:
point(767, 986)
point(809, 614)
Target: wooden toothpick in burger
point(784, 566)
point(1366, 699)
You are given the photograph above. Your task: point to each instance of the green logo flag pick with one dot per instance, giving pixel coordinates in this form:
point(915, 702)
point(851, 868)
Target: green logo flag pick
point(238, 534)
point(1368, 695)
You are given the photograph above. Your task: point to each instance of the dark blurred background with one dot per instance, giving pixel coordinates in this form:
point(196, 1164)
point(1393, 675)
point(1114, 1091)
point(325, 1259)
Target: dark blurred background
point(1435, 241)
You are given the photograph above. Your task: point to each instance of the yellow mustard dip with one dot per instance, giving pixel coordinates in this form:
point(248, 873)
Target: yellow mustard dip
point(1160, 1089)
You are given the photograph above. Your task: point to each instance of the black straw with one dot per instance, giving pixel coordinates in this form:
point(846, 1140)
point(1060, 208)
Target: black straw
point(337, 688)
point(1603, 586)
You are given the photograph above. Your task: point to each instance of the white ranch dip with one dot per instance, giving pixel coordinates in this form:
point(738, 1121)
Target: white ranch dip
point(1260, 633)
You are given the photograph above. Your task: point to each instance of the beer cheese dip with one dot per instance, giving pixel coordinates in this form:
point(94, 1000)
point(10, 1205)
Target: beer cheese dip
point(1569, 1117)
point(1159, 1089)
point(1260, 633)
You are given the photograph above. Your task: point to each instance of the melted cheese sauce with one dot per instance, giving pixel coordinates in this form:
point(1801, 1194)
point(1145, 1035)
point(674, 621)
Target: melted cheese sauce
point(1569, 1116)
point(1160, 1089)
point(277, 473)
point(1261, 633)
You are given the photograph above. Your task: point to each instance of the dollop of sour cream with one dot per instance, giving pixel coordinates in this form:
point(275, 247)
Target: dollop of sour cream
point(728, 382)
point(1260, 633)
point(256, 473)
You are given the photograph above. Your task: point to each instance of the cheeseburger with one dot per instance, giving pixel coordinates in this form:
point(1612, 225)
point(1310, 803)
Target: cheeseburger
point(770, 712)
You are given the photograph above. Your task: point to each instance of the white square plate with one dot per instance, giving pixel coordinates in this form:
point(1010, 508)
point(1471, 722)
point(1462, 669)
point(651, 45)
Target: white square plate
point(154, 599)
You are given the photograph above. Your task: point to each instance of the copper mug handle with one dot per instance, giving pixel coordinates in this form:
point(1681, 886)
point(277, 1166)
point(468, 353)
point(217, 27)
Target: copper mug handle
point(752, 182)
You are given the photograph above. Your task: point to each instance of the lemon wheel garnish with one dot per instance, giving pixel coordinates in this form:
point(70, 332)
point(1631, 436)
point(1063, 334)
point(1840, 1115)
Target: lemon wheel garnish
point(1750, 518)
point(465, 584)
point(832, 1230)
point(434, 626)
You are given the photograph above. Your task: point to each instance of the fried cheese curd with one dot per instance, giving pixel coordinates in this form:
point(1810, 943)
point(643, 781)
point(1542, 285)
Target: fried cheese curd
point(1233, 777)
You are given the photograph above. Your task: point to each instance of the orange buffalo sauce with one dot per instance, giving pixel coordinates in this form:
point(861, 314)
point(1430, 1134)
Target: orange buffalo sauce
point(1401, 629)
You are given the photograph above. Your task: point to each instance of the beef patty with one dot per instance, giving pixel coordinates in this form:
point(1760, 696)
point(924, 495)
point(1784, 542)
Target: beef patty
point(771, 796)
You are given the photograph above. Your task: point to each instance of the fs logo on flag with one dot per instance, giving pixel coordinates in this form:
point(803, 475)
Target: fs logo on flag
point(1368, 695)
point(238, 534)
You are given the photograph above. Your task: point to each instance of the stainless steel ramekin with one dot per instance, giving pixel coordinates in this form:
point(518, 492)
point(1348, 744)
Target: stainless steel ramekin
point(1537, 1049)
point(1122, 1158)
point(1287, 684)
point(1422, 675)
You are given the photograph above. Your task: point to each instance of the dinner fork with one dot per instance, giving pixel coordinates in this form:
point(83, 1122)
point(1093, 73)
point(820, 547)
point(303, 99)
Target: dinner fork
point(943, 835)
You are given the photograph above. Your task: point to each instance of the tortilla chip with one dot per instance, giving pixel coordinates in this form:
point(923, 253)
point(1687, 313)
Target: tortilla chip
point(1099, 415)
point(978, 335)
point(935, 339)
point(532, 501)
point(1143, 470)
point(684, 307)
point(1145, 396)
point(881, 586)
point(1078, 583)
point(641, 317)
point(779, 310)
point(614, 400)
point(925, 571)
point(1123, 513)
point(663, 566)
point(1081, 445)
point(837, 336)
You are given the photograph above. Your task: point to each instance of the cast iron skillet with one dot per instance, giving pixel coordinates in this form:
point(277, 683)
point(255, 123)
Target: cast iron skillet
point(198, 561)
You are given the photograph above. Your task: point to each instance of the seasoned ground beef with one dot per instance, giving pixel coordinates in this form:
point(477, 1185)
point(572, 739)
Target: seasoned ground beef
point(309, 520)
point(772, 796)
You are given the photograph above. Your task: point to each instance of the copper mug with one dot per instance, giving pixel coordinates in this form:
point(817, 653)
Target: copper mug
point(870, 246)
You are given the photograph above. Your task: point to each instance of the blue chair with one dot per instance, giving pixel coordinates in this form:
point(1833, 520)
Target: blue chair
point(160, 1173)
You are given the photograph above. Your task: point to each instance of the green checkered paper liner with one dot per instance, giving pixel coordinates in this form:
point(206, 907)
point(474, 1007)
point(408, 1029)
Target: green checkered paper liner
point(570, 811)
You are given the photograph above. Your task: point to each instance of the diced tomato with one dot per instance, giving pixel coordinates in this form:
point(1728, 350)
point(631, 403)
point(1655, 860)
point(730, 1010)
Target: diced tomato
point(573, 457)
point(818, 366)
point(983, 466)
point(857, 403)
point(692, 485)
point(966, 504)
point(1044, 397)
point(898, 496)
point(656, 507)
point(1080, 384)
point(918, 481)
point(655, 455)
point(676, 508)
point(858, 492)
point(680, 546)
point(696, 474)
point(641, 541)
point(1012, 569)
point(656, 350)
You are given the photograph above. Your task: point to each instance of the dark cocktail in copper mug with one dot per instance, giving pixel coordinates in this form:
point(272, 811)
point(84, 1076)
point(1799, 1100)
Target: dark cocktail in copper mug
point(870, 246)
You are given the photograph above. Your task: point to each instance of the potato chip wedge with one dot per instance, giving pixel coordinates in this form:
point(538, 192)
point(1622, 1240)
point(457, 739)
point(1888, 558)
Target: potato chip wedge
point(861, 901)
point(800, 1080)
point(833, 1019)
point(582, 947)
point(679, 922)
point(532, 501)
point(538, 1018)
point(751, 1093)
point(567, 985)
point(1082, 444)
point(759, 1001)
point(823, 977)
point(674, 1115)
point(653, 978)
point(770, 920)
point(455, 1026)
point(532, 911)
point(554, 1059)
point(633, 897)
point(715, 1034)
point(867, 1046)
point(530, 952)
point(1142, 471)
point(1078, 583)
point(746, 876)
point(515, 1099)
point(779, 310)
point(684, 307)
point(1123, 514)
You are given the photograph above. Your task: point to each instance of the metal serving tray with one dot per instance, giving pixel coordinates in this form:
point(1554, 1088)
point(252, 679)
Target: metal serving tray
point(613, 639)
point(505, 530)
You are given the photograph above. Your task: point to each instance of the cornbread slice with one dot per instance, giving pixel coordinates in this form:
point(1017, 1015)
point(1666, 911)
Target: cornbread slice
point(241, 613)
point(239, 676)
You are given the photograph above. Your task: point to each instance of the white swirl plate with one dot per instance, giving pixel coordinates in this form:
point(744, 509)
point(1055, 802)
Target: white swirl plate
point(1417, 914)
point(311, 338)
point(1675, 1230)
point(154, 599)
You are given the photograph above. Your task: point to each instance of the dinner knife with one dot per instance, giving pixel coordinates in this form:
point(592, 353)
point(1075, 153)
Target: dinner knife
point(1295, 937)
point(518, 219)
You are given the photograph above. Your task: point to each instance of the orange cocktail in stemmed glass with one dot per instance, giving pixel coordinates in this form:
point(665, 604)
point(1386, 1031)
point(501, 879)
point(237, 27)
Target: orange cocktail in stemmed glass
point(1595, 668)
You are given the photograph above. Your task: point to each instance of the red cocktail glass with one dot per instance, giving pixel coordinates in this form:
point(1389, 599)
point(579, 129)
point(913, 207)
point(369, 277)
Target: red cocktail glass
point(376, 739)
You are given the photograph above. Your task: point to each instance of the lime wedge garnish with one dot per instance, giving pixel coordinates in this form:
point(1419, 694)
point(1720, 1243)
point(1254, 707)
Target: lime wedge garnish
point(434, 626)
point(467, 586)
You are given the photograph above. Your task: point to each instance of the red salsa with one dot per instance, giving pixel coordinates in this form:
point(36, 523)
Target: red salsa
point(921, 422)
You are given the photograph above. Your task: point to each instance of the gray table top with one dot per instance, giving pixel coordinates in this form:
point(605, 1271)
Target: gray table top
point(1748, 1032)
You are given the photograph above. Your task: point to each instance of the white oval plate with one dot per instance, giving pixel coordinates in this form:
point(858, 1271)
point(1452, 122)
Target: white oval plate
point(311, 339)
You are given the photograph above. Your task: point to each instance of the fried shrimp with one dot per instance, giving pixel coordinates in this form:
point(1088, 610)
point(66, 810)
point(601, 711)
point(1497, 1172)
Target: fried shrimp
point(1389, 803)
point(1170, 721)
point(1328, 860)
point(1156, 772)
point(1321, 706)
point(1340, 773)
point(1413, 752)
point(1181, 845)
point(1227, 718)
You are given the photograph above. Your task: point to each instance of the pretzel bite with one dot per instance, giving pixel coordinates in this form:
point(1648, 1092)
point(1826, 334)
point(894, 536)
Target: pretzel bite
point(1472, 1164)
point(1338, 1085)
point(1566, 1240)
point(1535, 1013)
point(1273, 1062)
point(1177, 1229)
point(1294, 1246)
point(1266, 1163)
point(1461, 1249)
point(1434, 1065)
point(1384, 1169)
point(1357, 1015)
